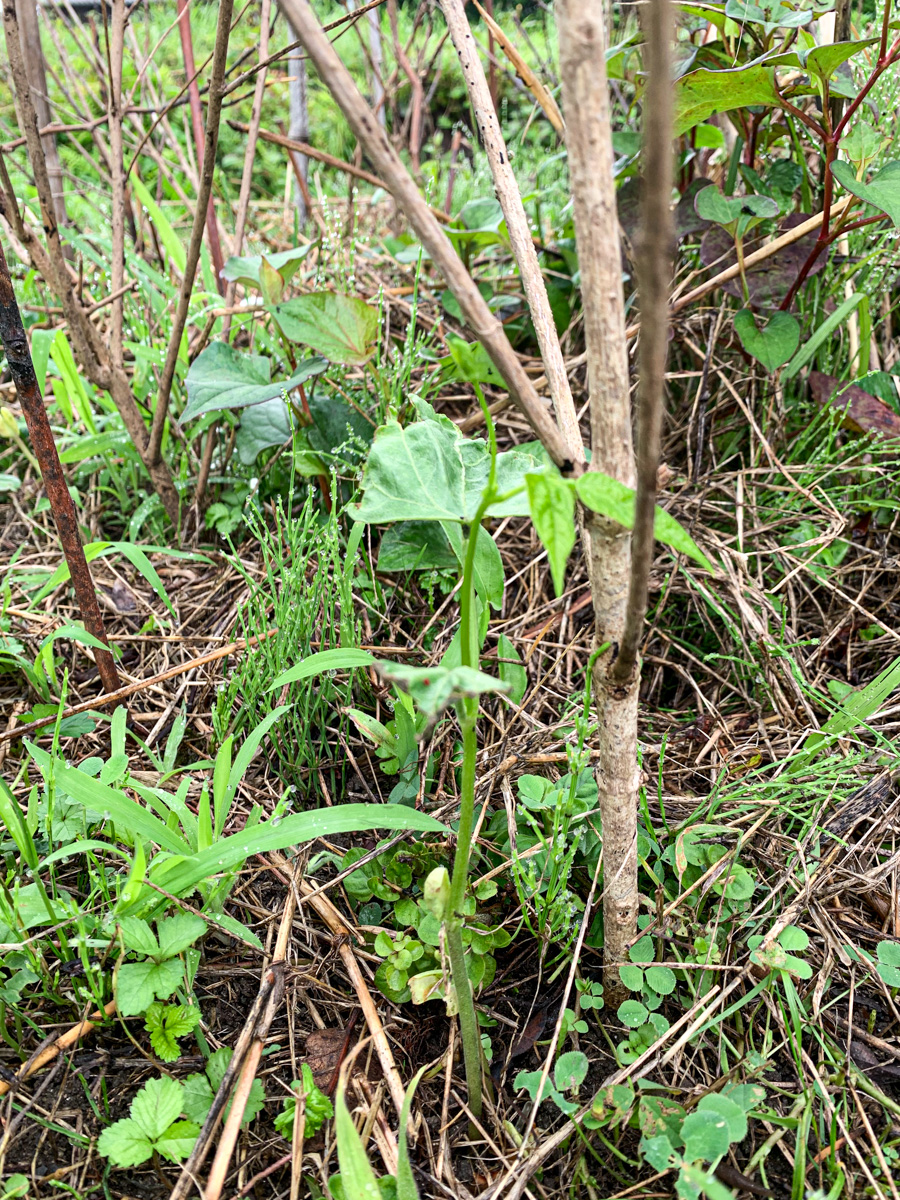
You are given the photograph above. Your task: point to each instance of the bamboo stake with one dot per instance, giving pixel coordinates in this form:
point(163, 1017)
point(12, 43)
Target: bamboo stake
point(484, 323)
point(508, 194)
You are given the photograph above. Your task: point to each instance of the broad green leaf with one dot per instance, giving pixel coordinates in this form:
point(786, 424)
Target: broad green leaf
point(882, 191)
point(224, 378)
point(262, 425)
point(698, 1181)
point(470, 362)
point(730, 1112)
point(271, 284)
point(794, 939)
point(246, 269)
point(357, 1176)
point(658, 1151)
point(822, 334)
point(415, 546)
point(324, 660)
point(138, 936)
point(342, 328)
point(488, 565)
point(183, 874)
point(632, 977)
point(771, 14)
point(772, 342)
point(862, 143)
point(178, 932)
point(430, 472)
point(513, 673)
point(570, 1070)
point(823, 61)
point(139, 984)
point(706, 1136)
point(125, 1143)
point(603, 494)
point(552, 504)
point(701, 93)
point(179, 1140)
point(711, 205)
point(157, 1105)
point(433, 688)
point(632, 1013)
point(661, 979)
point(888, 952)
point(198, 1097)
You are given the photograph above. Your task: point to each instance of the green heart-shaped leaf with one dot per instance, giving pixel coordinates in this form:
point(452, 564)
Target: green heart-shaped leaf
point(773, 342)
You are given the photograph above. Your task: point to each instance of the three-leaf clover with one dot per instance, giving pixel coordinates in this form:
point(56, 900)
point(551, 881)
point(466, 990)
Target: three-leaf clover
point(152, 1125)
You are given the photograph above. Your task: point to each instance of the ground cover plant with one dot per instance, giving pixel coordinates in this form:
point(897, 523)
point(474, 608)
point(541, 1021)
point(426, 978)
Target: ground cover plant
point(448, 649)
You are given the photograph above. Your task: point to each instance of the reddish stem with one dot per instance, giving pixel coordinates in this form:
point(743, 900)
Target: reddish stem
point(15, 343)
point(187, 51)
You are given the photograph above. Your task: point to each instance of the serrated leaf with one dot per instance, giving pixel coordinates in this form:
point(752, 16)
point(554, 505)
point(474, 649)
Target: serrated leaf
point(615, 500)
point(661, 979)
point(632, 1013)
point(125, 1143)
point(342, 328)
point(178, 932)
point(198, 1097)
point(552, 503)
point(642, 951)
point(139, 984)
point(772, 341)
point(157, 1105)
point(882, 191)
point(138, 936)
point(178, 1141)
point(224, 378)
point(632, 977)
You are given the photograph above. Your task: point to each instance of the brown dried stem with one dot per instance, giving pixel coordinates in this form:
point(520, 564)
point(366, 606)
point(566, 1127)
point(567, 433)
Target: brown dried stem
point(213, 112)
point(654, 250)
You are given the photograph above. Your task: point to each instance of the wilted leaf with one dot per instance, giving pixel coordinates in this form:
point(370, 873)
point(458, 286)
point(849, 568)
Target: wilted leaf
point(863, 412)
point(769, 280)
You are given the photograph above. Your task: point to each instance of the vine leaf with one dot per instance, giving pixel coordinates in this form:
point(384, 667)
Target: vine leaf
point(701, 93)
point(771, 342)
point(343, 328)
point(222, 377)
point(882, 191)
